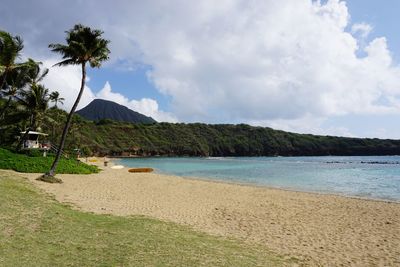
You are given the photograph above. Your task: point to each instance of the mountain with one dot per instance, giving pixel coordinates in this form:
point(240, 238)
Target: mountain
point(100, 109)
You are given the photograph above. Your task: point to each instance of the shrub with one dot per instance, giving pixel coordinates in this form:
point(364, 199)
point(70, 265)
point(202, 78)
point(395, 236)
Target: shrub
point(25, 163)
point(86, 151)
point(33, 153)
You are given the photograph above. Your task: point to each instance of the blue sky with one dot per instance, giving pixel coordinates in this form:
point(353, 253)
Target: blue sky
point(383, 16)
point(131, 83)
point(329, 67)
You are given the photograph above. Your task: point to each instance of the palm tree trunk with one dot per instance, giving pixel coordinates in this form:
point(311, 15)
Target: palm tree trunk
point(25, 136)
point(3, 82)
point(3, 111)
point(23, 139)
point(68, 123)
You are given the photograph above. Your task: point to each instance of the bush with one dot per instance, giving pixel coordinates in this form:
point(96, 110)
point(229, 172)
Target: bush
point(86, 151)
point(25, 163)
point(104, 122)
point(33, 153)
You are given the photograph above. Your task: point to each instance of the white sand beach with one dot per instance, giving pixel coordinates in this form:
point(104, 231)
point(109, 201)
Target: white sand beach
point(318, 229)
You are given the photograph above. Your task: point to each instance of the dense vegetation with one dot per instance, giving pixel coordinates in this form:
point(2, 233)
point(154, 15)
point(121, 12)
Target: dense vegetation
point(38, 231)
point(34, 162)
point(21, 90)
point(107, 137)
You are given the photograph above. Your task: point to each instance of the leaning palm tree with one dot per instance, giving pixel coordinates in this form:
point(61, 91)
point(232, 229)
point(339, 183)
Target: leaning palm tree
point(10, 49)
point(55, 97)
point(84, 46)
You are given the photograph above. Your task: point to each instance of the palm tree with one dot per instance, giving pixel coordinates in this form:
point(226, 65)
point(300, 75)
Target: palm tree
point(55, 97)
point(10, 48)
point(35, 98)
point(84, 46)
point(35, 72)
point(36, 101)
point(15, 81)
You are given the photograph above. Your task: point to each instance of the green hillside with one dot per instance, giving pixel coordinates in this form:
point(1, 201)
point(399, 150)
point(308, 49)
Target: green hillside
point(107, 137)
point(196, 139)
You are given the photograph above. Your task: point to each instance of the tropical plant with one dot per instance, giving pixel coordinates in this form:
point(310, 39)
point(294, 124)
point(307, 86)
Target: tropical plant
point(35, 73)
point(15, 81)
point(55, 97)
point(10, 49)
point(11, 75)
point(35, 98)
point(84, 46)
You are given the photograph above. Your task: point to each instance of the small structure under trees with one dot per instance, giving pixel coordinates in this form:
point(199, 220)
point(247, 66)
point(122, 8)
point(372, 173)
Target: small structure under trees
point(35, 140)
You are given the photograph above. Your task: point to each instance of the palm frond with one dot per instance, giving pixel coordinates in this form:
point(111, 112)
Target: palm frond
point(83, 45)
point(42, 75)
point(66, 62)
point(10, 47)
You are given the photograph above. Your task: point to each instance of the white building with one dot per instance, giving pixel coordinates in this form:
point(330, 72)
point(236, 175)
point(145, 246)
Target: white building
point(33, 141)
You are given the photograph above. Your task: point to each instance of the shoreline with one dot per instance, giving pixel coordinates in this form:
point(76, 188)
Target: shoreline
point(271, 156)
point(216, 180)
point(315, 228)
point(268, 187)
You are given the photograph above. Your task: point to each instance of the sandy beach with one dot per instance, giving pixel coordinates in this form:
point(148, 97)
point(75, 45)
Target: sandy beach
point(318, 229)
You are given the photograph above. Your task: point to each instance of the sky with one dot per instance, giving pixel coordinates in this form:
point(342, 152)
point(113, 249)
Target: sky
point(323, 67)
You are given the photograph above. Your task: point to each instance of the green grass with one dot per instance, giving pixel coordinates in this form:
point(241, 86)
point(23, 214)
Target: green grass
point(39, 164)
point(35, 230)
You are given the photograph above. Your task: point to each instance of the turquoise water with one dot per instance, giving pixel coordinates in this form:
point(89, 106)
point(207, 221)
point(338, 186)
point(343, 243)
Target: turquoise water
point(370, 177)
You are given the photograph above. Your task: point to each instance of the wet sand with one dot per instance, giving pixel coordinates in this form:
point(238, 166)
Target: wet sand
point(318, 229)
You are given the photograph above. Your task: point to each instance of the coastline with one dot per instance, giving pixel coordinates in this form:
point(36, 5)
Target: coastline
point(268, 187)
point(241, 183)
point(315, 228)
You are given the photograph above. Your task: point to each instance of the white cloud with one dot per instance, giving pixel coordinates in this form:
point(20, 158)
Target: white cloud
point(146, 106)
point(263, 60)
point(67, 80)
point(363, 29)
point(288, 62)
point(306, 125)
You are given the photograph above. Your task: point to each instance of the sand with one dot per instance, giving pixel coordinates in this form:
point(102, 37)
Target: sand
point(318, 229)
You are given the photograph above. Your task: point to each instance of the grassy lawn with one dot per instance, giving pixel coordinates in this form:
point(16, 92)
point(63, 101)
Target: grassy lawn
point(35, 230)
point(39, 164)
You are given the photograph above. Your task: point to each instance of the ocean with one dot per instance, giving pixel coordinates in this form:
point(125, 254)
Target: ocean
point(366, 177)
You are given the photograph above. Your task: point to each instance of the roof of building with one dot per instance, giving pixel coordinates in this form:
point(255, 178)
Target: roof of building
point(33, 132)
